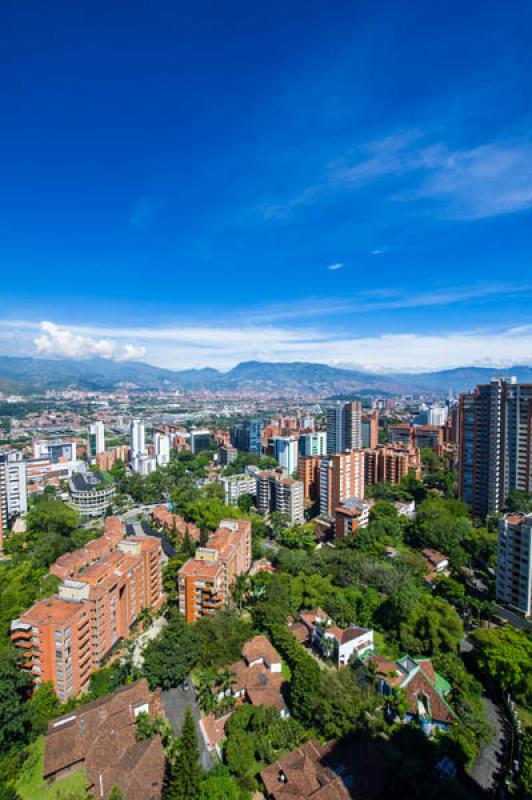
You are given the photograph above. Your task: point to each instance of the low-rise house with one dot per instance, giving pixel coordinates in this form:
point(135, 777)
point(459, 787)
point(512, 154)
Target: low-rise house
point(438, 564)
point(100, 738)
point(332, 771)
point(257, 677)
point(406, 509)
point(423, 688)
point(344, 644)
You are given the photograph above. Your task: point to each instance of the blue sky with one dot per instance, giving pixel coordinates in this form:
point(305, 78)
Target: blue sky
point(198, 184)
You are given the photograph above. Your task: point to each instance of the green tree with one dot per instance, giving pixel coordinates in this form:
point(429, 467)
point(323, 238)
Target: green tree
point(504, 657)
point(116, 793)
point(433, 626)
point(44, 705)
point(169, 658)
point(15, 713)
point(185, 770)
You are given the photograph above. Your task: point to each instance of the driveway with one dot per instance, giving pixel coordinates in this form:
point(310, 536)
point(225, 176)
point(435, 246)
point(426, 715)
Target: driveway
point(146, 636)
point(175, 702)
point(490, 759)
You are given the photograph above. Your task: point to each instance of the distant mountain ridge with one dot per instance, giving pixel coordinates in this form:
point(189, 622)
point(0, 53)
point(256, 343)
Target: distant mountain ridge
point(103, 374)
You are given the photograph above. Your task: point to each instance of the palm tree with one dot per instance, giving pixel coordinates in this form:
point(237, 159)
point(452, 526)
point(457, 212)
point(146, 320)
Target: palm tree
point(225, 680)
point(239, 590)
point(207, 681)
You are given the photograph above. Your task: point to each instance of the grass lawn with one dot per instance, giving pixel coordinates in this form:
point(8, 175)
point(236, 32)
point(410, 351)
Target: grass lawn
point(31, 786)
point(285, 671)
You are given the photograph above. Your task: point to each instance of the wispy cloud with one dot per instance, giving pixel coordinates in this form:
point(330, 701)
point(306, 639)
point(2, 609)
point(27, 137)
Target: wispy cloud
point(335, 267)
point(486, 180)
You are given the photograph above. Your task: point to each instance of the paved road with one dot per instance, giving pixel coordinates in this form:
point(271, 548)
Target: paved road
point(175, 702)
point(490, 758)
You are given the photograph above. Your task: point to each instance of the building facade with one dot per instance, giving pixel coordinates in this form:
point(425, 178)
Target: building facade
point(341, 476)
point(313, 444)
point(204, 582)
point(95, 439)
point(91, 493)
point(286, 452)
point(495, 440)
point(514, 562)
point(276, 492)
point(64, 638)
point(344, 427)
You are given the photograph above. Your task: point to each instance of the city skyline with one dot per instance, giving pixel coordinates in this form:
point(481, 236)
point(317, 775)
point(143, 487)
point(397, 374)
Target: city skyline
point(195, 190)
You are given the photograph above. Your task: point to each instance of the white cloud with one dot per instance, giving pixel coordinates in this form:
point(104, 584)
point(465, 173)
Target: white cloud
point(334, 267)
point(223, 347)
point(62, 342)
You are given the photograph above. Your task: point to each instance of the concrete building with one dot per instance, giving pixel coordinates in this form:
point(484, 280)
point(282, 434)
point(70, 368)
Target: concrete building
point(161, 446)
point(95, 439)
point(286, 452)
point(228, 455)
point(495, 439)
point(341, 476)
point(308, 472)
point(276, 492)
point(390, 464)
point(91, 493)
point(344, 427)
point(64, 638)
point(56, 451)
point(351, 515)
point(514, 562)
point(137, 444)
point(200, 440)
point(313, 444)
point(13, 487)
point(370, 430)
point(204, 582)
point(236, 485)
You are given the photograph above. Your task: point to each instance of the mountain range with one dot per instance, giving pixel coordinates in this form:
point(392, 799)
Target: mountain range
point(27, 374)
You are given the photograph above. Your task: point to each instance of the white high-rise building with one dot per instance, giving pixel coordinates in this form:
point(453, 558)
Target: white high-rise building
point(514, 562)
point(96, 439)
point(286, 452)
point(13, 487)
point(161, 442)
point(137, 443)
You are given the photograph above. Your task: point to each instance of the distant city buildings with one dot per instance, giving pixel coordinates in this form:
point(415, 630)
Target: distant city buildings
point(276, 492)
point(247, 437)
point(161, 444)
point(495, 444)
point(286, 452)
point(96, 439)
point(235, 486)
point(341, 476)
point(200, 440)
point(514, 562)
point(344, 427)
point(313, 444)
point(390, 464)
point(370, 430)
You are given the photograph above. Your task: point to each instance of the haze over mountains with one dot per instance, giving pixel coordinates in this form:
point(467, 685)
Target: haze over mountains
point(26, 374)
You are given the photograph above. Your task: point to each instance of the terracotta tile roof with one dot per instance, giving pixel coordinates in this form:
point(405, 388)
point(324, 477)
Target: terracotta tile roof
point(303, 773)
point(310, 618)
point(300, 631)
point(260, 647)
point(54, 611)
point(101, 738)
